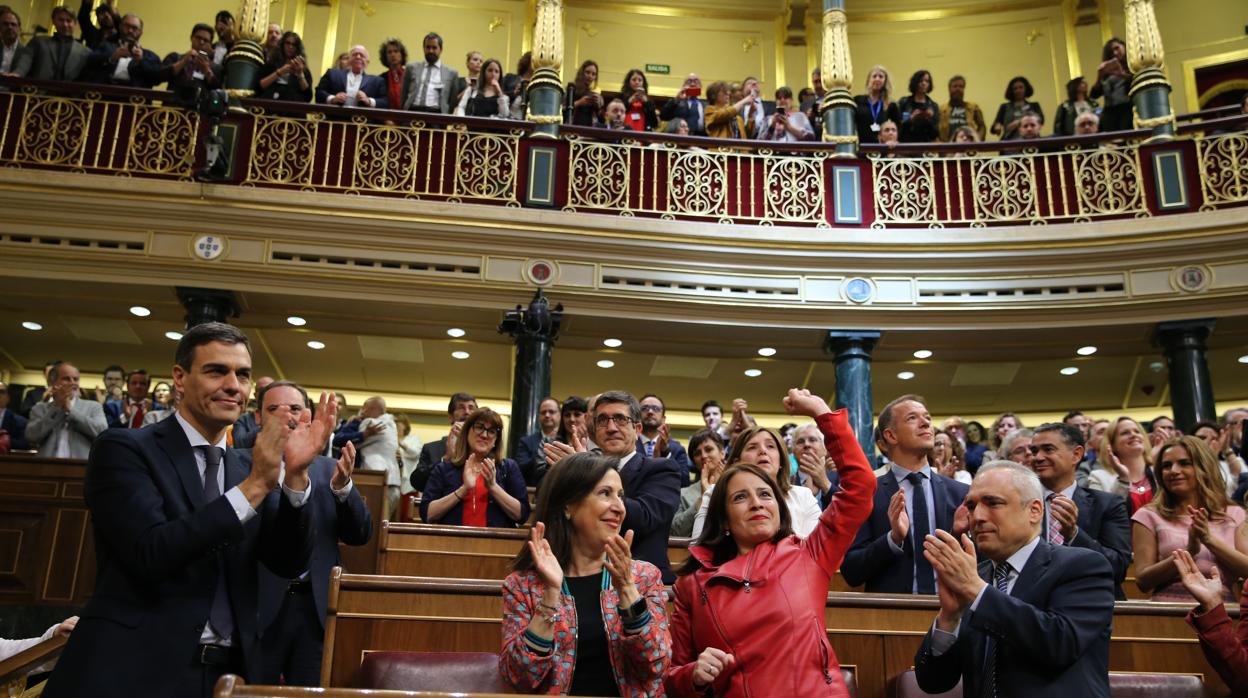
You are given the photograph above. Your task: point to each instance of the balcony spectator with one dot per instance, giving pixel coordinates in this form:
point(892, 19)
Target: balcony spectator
point(584, 101)
point(473, 485)
point(394, 58)
point(105, 27)
point(965, 134)
point(224, 25)
point(723, 119)
point(484, 96)
point(428, 85)
point(754, 114)
point(128, 412)
point(787, 124)
point(471, 78)
point(1029, 127)
point(816, 81)
point(1010, 114)
point(889, 133)
point(287, 77)
point(614, 114)
point(958, 113)
point(15, 56)
point(1113, 82)
point(514, 84)
point(65, 426)
point(272, 38)
point(12, 424)
point(677, 126)
point(123, 61)
point(1087, 124)
point(352, 87)
point(379, 451)
point(687, 105)
point(343, 61)
point(874, 108)
point(920, 114)
point(1077, 104)
point(58, 57)
point(188, 74)
point(641, 113)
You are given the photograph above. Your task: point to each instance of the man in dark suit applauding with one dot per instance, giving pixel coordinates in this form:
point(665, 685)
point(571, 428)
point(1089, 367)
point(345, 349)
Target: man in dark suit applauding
point(911, 501)
point(292, 611)
point(651, 485)
point(432, 453)
point(353, 87)
point(181, 528)
point(1033, 621)
point(1078, 516)
point(529, 454)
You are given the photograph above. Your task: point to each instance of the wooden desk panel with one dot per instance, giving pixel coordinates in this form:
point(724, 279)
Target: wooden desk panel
point(47, 552)
point(362, 559)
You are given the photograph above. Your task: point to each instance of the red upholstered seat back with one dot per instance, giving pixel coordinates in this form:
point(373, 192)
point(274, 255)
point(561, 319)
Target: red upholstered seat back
point(462, 672)
point(1124, 685)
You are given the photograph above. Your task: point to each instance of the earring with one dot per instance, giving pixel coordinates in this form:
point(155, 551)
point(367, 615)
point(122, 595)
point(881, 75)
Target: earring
point(727, 532)
point(567, 516)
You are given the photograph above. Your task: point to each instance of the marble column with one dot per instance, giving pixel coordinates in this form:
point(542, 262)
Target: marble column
point(837, 107)
point(544, 94)
point(207, 305)
point(851, 350)
point(535, 329)
point(1191, 390)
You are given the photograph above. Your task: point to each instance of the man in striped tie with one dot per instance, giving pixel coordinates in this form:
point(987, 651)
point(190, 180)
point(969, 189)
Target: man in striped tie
point(1033, 620)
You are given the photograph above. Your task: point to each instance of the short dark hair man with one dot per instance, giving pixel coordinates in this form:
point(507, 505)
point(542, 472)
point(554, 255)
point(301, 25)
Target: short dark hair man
point(11, 422)
point(15, 57)
point(1033, 620)
point(191, 72)
point(292, 611)
point(58, 57)
point(655, 440)
point(911, 502)
point(529, 453)
point(181, 528)
point(457, 410)
point(1077, 516)
point(127, 413)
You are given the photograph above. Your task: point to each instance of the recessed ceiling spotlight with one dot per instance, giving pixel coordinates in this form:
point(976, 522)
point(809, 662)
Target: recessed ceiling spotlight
point(296, 321)
point(32, 326)
point(906, 375)
point(767, 351)
point(316, 345)
point(456, 332)
point(174, 335)
point(1070, 371)
point(923, 354)
point(606, 363)
point(753, 372)
point(1086, 351)
point(613, 343)
point(1243, 359)
point(139, 311)
point(461, 355)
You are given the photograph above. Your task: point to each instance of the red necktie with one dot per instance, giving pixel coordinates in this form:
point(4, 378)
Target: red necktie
point(136, 420)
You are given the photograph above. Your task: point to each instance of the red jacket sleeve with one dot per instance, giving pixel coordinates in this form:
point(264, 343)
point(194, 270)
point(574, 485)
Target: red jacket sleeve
point(1224, 647)
point(852, 503)
point(679, 680)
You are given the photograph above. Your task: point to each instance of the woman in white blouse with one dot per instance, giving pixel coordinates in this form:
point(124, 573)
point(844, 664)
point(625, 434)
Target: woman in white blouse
point(764, 448)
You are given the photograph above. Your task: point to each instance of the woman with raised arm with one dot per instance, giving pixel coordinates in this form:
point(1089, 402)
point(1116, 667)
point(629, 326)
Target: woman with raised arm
point(580, 616)
point(749, 604)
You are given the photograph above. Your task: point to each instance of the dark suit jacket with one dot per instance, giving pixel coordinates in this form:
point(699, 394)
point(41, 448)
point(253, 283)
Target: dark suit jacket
point(158, 551)
point(431, 454)
point(694, 115)
point(21, 60)
point(531, 459)
point(651, 495)
point(447, 477)
point(349, 522)
point(15, 424)
point(245, 430)
point(142, 73)
point(1104, 527)
point(676, 452)
point(1052, 631)
point(46, 63)
point(335, 81)
point(871, 561)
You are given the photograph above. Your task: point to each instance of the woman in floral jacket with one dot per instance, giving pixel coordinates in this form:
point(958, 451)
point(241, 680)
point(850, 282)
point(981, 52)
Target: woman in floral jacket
point(580, 616)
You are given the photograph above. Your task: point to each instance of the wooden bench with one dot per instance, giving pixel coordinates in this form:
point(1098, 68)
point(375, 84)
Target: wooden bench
point(231, 686)
point(876, 635)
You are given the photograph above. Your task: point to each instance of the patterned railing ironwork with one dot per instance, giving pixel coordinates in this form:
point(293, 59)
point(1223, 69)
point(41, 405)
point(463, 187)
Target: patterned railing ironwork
point(127, 135)
point(1223, 169)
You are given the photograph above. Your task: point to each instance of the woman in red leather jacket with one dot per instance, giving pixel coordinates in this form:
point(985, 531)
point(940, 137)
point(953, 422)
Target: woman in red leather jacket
point(749, 606)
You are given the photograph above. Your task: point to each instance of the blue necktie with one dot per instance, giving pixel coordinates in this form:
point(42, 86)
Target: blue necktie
point(220, 616)
point(924, 575)
point(1000, 579)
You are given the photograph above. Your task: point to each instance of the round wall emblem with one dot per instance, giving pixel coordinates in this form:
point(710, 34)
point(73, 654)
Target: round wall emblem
point(1192, 279)
point(859, 290)
point(540, 272)
point(209, 247)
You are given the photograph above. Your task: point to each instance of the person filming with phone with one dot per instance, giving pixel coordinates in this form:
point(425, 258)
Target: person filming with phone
point(122, 61)
point(688, 106)
point(787, 124)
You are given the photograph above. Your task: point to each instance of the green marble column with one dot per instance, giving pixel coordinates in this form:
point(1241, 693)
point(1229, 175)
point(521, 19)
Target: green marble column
point(851, 350)
point(1191, 390)
point(837, 107)
point(535, 329)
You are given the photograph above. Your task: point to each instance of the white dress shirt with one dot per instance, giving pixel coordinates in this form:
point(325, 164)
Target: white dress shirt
point(354, 80)
point(61, 449)
point(432, 85)
point(7, 54)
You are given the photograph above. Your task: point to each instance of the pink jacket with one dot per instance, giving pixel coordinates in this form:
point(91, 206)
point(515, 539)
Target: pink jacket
point(767, 608)
point(639, 661)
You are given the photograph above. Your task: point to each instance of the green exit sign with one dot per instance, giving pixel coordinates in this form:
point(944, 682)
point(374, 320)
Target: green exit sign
point(658, 68)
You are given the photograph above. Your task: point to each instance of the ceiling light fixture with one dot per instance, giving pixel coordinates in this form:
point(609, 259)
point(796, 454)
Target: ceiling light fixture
point(174, 335)
point(1086, 351)
point(906, 375)
point(767, 351)
point(456, 332)
point(1243, 359)
point(606, 363)
point(613, 343)
point(296, 321)
point(461, 355)
point(32, 326)
point(139, 311)
point(316, 345)
point(1070, 371)
point(753, 372)
point(923, 354)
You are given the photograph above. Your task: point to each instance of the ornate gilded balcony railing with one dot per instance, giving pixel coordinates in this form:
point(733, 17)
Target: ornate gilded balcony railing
point(97, 130)
point(104, 130)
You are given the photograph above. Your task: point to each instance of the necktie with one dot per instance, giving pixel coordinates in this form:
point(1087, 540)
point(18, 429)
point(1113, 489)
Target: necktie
point(649, 449)
point(1000, 579)
point(136, 420)
point(924, 576)
point(1055, 528)
point(424, 85)
point(220, 616)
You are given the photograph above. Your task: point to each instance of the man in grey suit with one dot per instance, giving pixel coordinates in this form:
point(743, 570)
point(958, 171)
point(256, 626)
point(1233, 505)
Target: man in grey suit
point(66, 426)
point(428, 86)
point(14, 55)
point(58, 57)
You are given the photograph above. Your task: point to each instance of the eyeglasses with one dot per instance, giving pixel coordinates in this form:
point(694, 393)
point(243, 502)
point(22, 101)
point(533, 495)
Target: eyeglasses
point(651, 408)
point(620, 420)
point(484, 430)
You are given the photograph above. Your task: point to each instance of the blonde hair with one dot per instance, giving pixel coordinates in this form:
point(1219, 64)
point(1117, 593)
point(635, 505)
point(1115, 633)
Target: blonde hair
point(888, 81)
point(1107, 444)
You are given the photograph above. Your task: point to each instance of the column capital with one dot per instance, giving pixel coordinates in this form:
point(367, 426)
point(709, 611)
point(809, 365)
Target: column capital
point(846, 344)
point(205, 305)
point(538, 321)
point(1183, 334)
